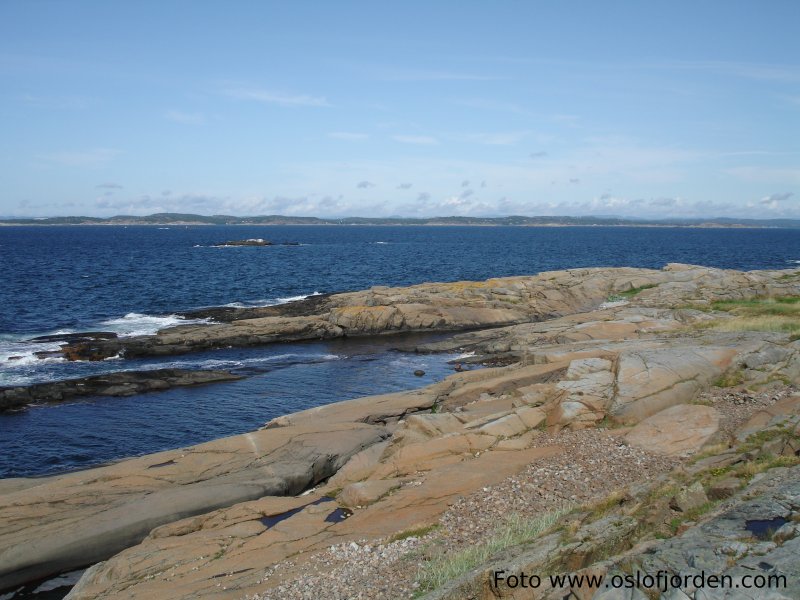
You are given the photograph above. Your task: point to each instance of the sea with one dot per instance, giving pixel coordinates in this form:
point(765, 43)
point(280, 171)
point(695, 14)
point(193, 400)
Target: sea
point(134, 280)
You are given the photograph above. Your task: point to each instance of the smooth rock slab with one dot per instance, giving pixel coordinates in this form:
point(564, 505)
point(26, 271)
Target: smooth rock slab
point(677, 430)
point(70, 521)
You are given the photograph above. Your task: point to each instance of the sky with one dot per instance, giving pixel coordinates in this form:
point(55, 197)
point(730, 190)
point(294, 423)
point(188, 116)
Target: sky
point(413, 109)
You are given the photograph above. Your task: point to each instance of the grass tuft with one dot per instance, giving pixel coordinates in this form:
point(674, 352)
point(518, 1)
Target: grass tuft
point(730, 378)
point(417, 533)
point(780, 315)
point(513, 532)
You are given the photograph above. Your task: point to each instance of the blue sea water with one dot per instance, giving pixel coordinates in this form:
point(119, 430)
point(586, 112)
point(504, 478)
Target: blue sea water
point(133, 279)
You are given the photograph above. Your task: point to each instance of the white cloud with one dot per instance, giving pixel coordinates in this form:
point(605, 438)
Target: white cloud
point(493, 105)
point(279, 98)
point(210, 203)
point(423, 140)
point(747, 70)
point(777, 197)
point(411, 74)
point(773, 201)
point(187, 118)
point(57, 102)
point(766, 174)
point(84, 158)
point(348, 136)
point(495, 139)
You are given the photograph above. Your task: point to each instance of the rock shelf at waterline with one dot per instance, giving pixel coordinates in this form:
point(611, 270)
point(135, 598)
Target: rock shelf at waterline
point(122, 383)
point(454, 306)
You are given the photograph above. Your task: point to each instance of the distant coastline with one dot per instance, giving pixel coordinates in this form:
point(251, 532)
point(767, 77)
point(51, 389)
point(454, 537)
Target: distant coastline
point(182, 219)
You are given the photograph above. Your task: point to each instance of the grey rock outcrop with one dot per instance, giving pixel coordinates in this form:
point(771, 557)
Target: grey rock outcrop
point(122, 383)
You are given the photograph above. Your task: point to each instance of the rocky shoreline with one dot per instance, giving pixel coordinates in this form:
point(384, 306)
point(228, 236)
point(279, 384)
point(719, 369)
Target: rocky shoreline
point(619, 383)
point(455, 306)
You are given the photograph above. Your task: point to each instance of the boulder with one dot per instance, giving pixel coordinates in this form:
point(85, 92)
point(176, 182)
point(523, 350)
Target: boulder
point(780, 411)
point(650, 380)
point(689, 498)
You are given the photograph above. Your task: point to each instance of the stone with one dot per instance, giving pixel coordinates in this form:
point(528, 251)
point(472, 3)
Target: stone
point(725, 488)
point(761, 419)
point(689, 498)
point(364, 493)
point(651, 380)
point(676, 431)
point(507, 426)
point(531, 417)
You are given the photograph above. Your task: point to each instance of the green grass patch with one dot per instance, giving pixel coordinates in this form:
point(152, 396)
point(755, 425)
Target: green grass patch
point(787, 305)
point(634, 291)
point(779, 314)
point(764, 463)
point(417, 533)
point(692, 515)
point(613, 500)
point(730, 378)
point(759, 438)
point(516, 530)
point(628, 294)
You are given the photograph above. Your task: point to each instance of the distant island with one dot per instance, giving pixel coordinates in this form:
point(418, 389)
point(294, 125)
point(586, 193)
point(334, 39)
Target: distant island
point(522, 221)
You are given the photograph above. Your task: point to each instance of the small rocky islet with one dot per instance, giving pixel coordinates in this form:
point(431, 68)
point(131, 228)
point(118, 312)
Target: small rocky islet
point(632, 420)
point(253, 242)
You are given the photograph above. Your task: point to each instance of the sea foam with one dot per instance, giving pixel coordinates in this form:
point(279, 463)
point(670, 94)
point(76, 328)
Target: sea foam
point(134, 324)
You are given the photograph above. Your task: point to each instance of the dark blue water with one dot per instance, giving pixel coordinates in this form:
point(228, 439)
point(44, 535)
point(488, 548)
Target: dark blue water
point(74, 277)
point(131, 279)
point(282, 378)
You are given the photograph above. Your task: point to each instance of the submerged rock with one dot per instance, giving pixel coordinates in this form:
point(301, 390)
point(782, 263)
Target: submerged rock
point(125, 383)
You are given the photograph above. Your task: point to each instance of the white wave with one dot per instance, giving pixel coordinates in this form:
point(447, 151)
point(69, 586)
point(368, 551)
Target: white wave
point(134, 324)
point(296, 298)
point(252, 304)
point(382, 242)
point(270, 301)
point(464, 355)
point(14, 354)
point(216, 363)
point(796, 262)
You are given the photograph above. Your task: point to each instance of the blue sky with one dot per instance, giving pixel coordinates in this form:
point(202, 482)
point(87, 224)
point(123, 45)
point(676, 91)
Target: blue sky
point(640, 109)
